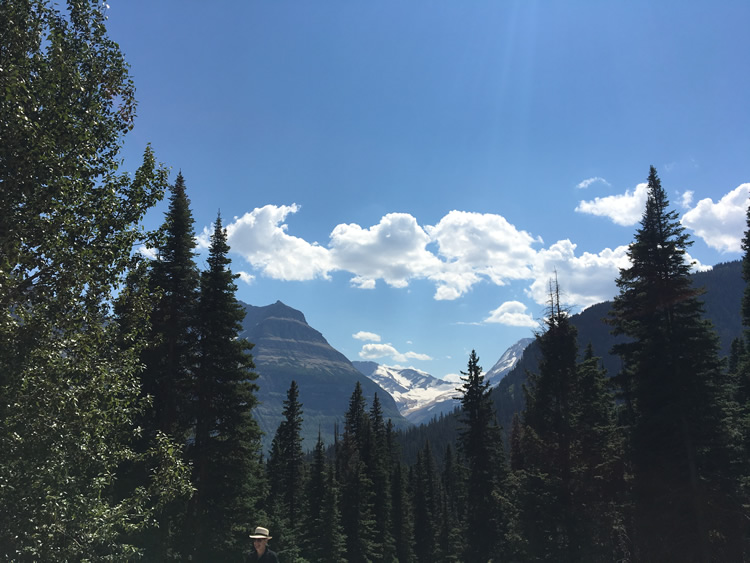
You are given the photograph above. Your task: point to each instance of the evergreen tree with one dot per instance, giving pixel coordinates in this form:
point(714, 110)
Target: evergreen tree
point(68, 226)
point(480, 441)
point(672, 384)
point(379, 462)
point(356, 486)
point(403, 518)
point(426, 494)
point(287, 473)
point(171, 359)
point(315, 491)
point(454, 507)
point(227, 438)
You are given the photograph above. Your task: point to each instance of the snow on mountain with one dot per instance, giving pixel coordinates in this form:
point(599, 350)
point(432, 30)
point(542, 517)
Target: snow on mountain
point(506, 362)
point(419, 396)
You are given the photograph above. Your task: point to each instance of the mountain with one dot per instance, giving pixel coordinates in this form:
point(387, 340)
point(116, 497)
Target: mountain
point(419, 395)
point(723, 287)
point(507, 361)
point(287, 348)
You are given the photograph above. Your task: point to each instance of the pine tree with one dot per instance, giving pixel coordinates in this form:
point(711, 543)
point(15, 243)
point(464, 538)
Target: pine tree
point(454, 507)
point(549, 521)
point(379, 462)
point(287, 472)
point(672, 384)
point(171, 359)
point(227, 438)
point(427, 496)
point(480, 442)
point(403, 517)
point(68, 225)
point(356, 486)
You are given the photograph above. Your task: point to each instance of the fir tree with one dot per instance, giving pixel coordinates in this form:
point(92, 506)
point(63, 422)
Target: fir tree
point(171, 358)
point(227, 438)
point(402, 518)
point(480, 441)
point(287, 472)
point(379, 463)
point(672, 385)
point(356, 486)
point(426, 495)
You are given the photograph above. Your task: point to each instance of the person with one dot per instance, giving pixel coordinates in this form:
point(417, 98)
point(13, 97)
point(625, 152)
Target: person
point(260, 542)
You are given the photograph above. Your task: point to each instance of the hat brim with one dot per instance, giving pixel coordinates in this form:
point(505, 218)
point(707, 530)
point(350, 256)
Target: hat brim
point(261, 537)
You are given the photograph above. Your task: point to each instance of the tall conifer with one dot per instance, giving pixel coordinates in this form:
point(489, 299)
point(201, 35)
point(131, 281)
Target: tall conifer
point(480, 441)
point(672, 384)
point(287, 472)
point(226, 438)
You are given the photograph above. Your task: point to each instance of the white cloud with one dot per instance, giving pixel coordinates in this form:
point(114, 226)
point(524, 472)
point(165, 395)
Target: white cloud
point(460, 251)
point(394, 250)
point(366, 336)
point(586, 183)
point(512, 313)
point(477, 246)
point(624, 209)
point(148, 252)
point(261, 237)
point(584, 280)
point(375, 351)
point(247, 278)
point(723, 223)
point(686, 199)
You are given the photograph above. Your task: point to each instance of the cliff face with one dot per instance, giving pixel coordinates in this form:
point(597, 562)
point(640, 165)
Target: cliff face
point(287, 348)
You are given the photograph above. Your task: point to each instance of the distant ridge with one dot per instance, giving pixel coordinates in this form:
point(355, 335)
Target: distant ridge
point(287, 348)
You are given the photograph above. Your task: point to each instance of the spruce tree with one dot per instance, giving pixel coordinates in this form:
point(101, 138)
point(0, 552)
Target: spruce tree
point(672, 386)
point(548, 518)
point(356, 486)
point(428, 516)
point(171, 358)
point(480, 442)
point(226, 437)
point(68, 226)
point(403, 515)
point(287, 473)
point(379, 462)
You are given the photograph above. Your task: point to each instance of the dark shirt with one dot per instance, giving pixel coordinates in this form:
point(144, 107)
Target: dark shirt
point(268, 557)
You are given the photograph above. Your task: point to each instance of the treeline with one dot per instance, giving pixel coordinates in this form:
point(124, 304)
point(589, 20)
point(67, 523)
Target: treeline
point(126, 398)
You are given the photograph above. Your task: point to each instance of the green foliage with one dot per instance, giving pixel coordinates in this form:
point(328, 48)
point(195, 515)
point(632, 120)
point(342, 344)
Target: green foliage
point(480, 442)
point(673, 385)
point(286, 472)
point(565, 453)
point(69, 392)
point(225, 449)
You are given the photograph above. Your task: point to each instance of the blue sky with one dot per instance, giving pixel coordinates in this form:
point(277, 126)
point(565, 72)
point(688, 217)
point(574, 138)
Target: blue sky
point(410, 175)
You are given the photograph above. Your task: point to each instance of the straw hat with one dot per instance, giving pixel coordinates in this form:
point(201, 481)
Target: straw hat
point(260, 534)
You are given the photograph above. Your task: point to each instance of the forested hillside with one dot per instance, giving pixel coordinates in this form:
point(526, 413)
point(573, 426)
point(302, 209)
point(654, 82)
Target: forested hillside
point(128, 397)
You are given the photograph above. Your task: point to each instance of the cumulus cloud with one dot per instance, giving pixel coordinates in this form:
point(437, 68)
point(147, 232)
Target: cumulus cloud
point(460, 251)
point(476, 245)
point(586, 183)
point(686, 199)
point(247, 278)
point(584, 280)
point(375, 351)
point(512, 313)
point(366, 336)
point(624, 209)
point(261, 238)
point(721, 224)
point(394, 250)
